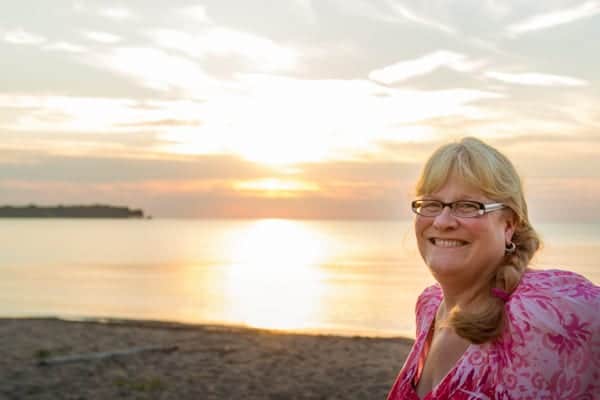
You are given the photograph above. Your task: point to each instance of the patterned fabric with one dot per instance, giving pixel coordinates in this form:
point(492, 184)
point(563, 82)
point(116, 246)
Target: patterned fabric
point(549, 349)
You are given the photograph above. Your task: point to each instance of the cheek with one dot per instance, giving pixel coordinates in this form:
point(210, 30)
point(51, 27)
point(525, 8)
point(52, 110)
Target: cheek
point(491, 237)
point(477, 228)
point(420, 224)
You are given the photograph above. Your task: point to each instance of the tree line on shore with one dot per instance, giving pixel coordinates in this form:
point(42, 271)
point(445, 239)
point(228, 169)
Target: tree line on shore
point(75, 211)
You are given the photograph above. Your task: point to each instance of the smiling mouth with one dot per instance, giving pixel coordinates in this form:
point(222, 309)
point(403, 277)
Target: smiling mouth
point(447, 243)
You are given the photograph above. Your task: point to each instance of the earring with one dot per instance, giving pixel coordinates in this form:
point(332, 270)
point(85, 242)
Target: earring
point(510, 248)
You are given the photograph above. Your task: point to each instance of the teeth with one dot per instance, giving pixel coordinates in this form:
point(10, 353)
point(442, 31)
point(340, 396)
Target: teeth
point(447, 242)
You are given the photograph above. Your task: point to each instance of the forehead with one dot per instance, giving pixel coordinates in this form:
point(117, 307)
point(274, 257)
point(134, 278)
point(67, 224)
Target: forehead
point(456, 188)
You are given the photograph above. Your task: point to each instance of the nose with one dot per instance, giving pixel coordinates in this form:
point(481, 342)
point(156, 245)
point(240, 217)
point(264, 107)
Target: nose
point(445, 220)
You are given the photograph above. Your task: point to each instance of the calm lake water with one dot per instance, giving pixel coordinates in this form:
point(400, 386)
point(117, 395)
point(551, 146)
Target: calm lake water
point(343, 277)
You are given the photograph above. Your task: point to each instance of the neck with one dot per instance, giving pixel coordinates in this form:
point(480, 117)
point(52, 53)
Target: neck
point(465, 296)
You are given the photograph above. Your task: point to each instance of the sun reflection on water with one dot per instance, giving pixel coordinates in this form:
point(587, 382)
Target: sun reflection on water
point(274, 280)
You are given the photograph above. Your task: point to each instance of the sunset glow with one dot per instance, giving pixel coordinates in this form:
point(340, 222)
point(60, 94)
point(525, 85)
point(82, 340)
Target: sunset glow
point(276, 187)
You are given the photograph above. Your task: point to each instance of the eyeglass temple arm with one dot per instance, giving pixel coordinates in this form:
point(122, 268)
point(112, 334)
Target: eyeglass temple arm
point(492, 207)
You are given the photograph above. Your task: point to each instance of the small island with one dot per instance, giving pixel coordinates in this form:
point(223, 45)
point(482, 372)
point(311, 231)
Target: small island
point(75, 211)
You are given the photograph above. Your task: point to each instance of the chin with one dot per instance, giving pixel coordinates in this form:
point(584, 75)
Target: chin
point(444, 267)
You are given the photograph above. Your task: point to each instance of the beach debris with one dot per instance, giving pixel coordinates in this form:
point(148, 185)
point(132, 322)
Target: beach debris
point(104, 354)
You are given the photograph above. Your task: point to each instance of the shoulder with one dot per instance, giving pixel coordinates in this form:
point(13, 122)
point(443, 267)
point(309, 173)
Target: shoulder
point(429, 298)
point(552, 277)
point(552, 323)
point(427, 305)
point(553, 297)
point(557, 287)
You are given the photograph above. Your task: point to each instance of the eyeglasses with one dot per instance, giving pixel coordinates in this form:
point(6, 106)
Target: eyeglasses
point(460, 208)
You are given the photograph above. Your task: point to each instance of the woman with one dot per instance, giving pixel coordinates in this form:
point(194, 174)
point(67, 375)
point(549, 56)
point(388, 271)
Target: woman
point(492, 328)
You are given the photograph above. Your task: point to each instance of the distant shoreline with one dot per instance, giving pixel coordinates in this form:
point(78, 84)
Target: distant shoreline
point(74, 211)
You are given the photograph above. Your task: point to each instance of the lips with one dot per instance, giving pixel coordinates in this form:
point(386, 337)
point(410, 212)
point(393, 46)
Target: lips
point(447, 243)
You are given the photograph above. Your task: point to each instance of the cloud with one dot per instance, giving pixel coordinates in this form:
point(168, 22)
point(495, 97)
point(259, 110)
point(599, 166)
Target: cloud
point(376, 171)
point(298, 120)
point(65, 47)
point(196, 13)
point(41, 167)
point(364, 9)
point(307, 9)
point(496, 8)
point(317, 119)
point(126, 144)
point(91, 115)
point(211, 186)
point(508, 122)
point(264, 54)
point(102, 37)
point(268, 119)
point(426, 64)
point(410, 15)
point(535, 79)
point(161, 122)
point(117, 13)
point(389, 11)
point(63, 113)
point(555, 18)
point(22, 37)
point(155, 69)
point(212, 199)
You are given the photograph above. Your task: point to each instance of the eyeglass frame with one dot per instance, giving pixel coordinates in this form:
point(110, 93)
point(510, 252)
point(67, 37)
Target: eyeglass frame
point(483, 208)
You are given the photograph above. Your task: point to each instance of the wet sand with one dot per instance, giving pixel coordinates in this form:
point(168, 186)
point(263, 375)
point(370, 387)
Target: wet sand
point(162, 360)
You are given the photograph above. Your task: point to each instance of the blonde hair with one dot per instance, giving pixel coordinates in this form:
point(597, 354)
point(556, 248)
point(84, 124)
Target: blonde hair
point(485, 168)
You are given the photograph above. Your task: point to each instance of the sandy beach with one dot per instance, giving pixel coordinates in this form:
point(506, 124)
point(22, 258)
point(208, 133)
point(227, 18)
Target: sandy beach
point(46, 358)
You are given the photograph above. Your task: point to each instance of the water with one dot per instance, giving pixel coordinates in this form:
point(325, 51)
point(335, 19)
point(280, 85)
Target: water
point(343, 277)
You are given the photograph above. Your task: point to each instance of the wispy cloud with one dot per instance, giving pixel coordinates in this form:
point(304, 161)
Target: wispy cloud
point(410, 15)
point(117, 13)
point(220, 184)
point(318, 120)
point(264, 54)
point(307, 9)
point(160, 122)
point(426, 64)
point(64, 113)
point(196, 13)
point(548, 20)
point(156, 69)
point(90, 115)
point(102, 37)
point(22, 37)
point(316, 114)
point(65, 47)
point(535, 79)
point(108, 168)
point(390, 11)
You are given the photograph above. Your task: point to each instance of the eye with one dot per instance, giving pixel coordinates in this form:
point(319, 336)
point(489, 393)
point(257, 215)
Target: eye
point(466, 207)
point(430, 205)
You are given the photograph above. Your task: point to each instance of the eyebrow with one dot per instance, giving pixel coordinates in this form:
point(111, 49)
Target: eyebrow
point(461, 197)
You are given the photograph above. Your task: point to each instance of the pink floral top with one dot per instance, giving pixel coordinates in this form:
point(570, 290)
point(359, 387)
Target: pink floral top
point(550, 347)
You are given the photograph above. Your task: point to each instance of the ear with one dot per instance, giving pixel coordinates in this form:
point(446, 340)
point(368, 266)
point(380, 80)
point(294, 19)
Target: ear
point(510, 224)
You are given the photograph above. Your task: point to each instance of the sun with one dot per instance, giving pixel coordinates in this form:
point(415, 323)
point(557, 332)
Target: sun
point(274, 265)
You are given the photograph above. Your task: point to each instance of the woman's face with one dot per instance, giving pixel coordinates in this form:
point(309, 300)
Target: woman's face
point(462, 248)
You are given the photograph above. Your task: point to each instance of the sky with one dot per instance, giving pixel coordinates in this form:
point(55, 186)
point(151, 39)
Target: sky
point(293, 108)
